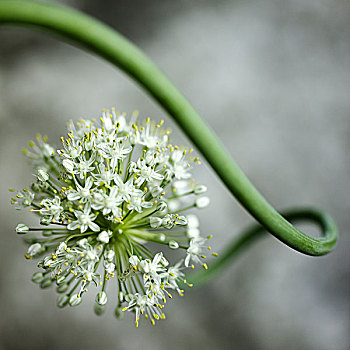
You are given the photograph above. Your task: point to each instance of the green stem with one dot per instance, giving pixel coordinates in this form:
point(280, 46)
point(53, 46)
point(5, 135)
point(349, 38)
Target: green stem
point(108, 44)
point(250, 235)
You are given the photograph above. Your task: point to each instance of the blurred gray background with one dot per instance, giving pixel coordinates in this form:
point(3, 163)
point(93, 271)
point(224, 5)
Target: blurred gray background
point(272, 79)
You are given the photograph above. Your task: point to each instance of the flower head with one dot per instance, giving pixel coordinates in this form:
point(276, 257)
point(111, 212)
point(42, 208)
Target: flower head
point(112, 187)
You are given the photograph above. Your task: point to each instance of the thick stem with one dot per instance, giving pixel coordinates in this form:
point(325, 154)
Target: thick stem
point(105, 42)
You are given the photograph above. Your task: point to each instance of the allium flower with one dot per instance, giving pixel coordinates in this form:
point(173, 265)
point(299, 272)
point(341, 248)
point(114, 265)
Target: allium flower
point(114, 186)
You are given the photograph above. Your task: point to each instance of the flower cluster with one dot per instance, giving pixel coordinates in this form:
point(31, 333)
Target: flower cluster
point(114, 186)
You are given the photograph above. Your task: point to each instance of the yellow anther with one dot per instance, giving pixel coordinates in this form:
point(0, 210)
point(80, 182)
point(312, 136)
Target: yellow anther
point(210, 236)
point(214, 254)
point(205, 266)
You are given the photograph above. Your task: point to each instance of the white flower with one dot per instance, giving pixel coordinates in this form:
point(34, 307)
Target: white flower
point(115, 151)
point(125, 190)
point(23, 199)
point(141, 304)
point(194, 251)
point(138, 203)
point(52, 208)
point(152, 268)
point(84, 166)
point(81, 193)
point(134, 261)
point(71, 150)
point(145, 173)
point(108, 203)
point(172, 275)
point(115, 185)
point(178, 166)
point(104, 176)
point(85, 220)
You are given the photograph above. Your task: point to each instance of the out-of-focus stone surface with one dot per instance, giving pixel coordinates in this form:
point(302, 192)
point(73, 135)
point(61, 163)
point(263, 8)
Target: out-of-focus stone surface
point(271, 78)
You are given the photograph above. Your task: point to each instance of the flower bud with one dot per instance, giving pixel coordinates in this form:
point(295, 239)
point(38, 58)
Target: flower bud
point(200, 189)
point(155, 222)
point(192, 232)
point(101, 298)
point(202, 202)
point(161, 206)
point(109, 255)
point(162, 237)
point(46, 220)
point(156, 191)
point(60, 279)
point(62, 288)
point(42, 175)
point(173, 244)
point(99, 309)
point(22, 229)
point(103, 237)
point(68, 165)
point(37, 277)
point(46, 283)
point(118, 313)
point(47, 233)
point(62, 300)
point(192, 221)
point(36, 187)
point(75, 300)
point(33, 250)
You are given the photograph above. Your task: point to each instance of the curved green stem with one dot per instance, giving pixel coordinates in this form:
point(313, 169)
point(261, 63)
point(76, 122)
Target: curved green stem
point(250, 235)
point(105, 42)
